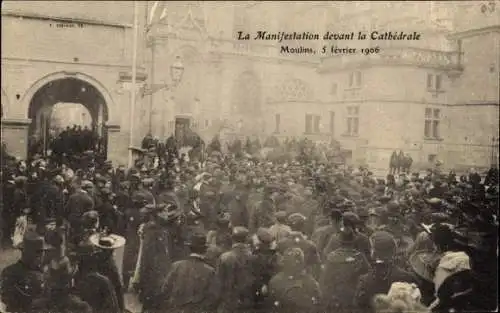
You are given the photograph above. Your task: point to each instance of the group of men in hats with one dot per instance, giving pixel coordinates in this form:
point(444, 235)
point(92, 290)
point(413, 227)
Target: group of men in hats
point(244, 235)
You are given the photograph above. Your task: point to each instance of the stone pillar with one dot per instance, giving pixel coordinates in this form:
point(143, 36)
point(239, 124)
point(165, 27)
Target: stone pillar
point(15, 135)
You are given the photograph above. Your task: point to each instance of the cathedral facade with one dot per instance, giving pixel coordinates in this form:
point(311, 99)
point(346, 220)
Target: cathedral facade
point(434, 99)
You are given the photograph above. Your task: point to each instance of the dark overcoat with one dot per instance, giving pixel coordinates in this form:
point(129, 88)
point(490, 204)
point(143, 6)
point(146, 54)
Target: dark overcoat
point(294, 293)
point(361, 243)
point(311, 255)
point(235, 279)
point(378, 281)
point(188, 287)
point(262, 216)
point(20, 286)
point(61, 304)
point(238, 210)
point(97, 290)
point(155, 262)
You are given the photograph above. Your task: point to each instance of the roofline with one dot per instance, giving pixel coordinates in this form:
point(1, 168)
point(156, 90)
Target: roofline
point(37, 16)
point(474, 32)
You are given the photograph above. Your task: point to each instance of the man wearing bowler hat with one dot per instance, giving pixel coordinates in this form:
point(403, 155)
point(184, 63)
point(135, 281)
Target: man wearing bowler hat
point(188, 287)
point(23, 281)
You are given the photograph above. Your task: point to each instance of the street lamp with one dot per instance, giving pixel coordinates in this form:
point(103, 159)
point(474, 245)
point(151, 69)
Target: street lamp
point(176, 72)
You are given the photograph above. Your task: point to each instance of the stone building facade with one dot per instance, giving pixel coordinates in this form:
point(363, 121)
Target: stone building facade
point(436, 98)
point(65, 53)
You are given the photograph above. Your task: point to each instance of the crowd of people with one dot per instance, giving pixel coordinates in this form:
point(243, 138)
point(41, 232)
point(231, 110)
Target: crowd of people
point(68, 143)
point(240, 233)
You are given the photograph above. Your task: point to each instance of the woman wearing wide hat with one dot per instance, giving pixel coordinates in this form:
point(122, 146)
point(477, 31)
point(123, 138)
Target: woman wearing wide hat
point(455, 285)
point(424, 263)
point(98, 280)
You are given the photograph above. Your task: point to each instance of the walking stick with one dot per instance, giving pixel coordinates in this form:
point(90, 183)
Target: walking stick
point(136, 277)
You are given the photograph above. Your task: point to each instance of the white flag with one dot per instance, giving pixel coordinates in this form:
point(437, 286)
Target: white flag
point(157, 13)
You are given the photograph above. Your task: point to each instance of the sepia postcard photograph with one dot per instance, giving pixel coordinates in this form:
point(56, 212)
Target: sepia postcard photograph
point(249, 156)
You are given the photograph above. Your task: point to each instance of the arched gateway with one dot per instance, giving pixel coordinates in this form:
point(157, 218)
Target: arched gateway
point(65, 88)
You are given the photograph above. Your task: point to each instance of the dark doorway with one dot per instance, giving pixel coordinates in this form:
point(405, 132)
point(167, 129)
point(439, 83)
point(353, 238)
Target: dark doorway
point(182, 126)
point(45, 128)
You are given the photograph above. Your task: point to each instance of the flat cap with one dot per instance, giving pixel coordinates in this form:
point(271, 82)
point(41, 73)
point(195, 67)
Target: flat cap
point(393, 207)
point(272, 188)
point(87, 184)
point(363, 212)
point(434, 201)
point(106, 191)
point(350, 218)
point(148, 181)
point(439, 217)
point(240, 231)
point(264, 235)
point(100, 179)
point(384, 244)
point(381, 211)
point(281, 215)
point(89, 218)
point(384, 199)
point(296, 218)
point(59, 179)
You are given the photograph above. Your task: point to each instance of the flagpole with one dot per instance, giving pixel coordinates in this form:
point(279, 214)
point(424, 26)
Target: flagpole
point(133, 91)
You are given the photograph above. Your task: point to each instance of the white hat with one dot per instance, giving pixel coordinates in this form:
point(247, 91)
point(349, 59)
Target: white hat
point(107, 241)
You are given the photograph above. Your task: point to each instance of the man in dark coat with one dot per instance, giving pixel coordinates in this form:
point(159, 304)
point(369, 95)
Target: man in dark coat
point(322, 235)
point(157, 254)
point(280, 230)
point(265, 266)
point(235, 279)
point(41, 199)
point(95, 288)
point(109, 215)
point(188, 287)
point(263, 215)
point(342, 269)
point(237, 206)
point(98, 280)
point(219, 240)
point(297, 239)
point(438, 190)
point(54, 201)
point(139, 198)
point(350, 222)
point(78, 203)
point(59, 298)
point(293, 289)
point(23, 282)
point(383, 273)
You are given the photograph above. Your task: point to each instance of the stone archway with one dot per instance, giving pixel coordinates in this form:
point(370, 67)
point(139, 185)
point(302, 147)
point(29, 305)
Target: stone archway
point(69, 89)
